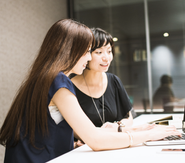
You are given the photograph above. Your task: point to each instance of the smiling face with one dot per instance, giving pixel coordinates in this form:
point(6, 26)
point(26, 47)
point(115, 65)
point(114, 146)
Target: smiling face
point(81, 64)
point(101, 58)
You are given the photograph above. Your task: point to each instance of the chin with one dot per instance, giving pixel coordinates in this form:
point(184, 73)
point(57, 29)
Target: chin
point(79, 73)
point(105, 70)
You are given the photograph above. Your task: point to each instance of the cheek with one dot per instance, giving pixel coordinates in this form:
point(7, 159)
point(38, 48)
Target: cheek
point(93, 64)
point(80, 63)
point(83, 60)
point(94, 60)
point(110, 58)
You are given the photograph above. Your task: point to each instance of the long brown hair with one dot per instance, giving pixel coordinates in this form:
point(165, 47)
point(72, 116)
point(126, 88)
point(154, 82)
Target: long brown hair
point(64, 44)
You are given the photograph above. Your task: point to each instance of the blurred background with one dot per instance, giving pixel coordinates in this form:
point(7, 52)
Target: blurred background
point(149, 46)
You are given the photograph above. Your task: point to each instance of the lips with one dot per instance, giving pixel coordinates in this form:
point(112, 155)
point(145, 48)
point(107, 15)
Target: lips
point(104, 65)
point(85, 65)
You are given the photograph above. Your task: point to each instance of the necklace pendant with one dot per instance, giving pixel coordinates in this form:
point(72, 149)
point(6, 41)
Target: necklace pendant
point(102, 119)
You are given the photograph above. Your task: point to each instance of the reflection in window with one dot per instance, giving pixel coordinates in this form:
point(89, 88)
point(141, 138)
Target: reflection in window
point(125, 20)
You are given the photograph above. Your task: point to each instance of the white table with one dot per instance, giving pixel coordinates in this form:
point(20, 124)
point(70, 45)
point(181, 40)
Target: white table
point(136, 154)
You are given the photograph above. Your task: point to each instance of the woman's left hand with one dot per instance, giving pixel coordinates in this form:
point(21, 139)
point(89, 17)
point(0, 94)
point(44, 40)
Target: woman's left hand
point(78, 143)
point(111, 125)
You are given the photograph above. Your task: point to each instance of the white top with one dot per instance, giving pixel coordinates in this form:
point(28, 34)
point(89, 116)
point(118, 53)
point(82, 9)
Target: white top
point(55, 114)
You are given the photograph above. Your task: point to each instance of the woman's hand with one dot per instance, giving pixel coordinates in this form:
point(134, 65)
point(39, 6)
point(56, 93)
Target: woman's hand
point(78, 143)
point(143, 127)
point(110, 125)
point(114, 126)
point(162, 131)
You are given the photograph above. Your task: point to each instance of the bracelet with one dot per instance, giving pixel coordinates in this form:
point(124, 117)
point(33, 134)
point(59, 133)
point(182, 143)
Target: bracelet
point(120, 125)
point(131, 138)
point(119, 129)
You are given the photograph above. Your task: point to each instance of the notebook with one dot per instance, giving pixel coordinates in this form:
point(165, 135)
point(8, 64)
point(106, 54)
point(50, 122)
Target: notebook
point(170, 140)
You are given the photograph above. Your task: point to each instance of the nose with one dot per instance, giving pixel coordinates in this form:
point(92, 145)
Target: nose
point(105, 57)
point(89, 57)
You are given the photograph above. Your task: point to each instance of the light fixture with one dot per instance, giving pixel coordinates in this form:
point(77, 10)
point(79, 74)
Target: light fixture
point(165, 34)
point(115, 39)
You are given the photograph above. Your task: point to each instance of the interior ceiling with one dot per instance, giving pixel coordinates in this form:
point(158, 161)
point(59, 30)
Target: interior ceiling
point(90, 4)
point(126, 17)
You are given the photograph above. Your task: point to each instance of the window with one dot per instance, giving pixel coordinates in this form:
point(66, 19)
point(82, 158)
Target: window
point(125, 20)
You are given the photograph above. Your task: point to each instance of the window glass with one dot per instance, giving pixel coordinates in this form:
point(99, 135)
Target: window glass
point(125, 20)
point(166, 20)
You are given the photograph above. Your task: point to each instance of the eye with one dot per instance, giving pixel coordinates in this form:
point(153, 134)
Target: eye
point(98, 52)
point(109, 51)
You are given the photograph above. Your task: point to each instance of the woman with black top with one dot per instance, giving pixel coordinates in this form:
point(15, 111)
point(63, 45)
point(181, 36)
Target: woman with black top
point(102, 95)
point(39, 125)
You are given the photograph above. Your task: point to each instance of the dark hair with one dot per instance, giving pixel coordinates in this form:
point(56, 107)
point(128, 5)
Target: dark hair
point(64, 44)
point(166, 79)
point(101, 38)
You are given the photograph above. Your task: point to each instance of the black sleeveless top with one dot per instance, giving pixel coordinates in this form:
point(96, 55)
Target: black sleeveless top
point(116, 102)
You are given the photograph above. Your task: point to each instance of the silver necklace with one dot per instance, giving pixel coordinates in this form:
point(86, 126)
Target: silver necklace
point(102, 119)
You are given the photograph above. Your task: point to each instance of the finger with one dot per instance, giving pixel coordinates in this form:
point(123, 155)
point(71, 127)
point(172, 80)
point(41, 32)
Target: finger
point(171, 127)
point(177, 133)
point(153, 124)
point(104, 125)
point(79, 143)
point(173, 132)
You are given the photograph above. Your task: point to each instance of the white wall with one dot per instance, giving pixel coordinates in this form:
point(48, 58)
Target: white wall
point(23, 25)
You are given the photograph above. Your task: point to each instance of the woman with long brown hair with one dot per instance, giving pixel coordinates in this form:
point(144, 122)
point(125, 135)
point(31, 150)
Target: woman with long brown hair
point(39, 125)
point(28, 125)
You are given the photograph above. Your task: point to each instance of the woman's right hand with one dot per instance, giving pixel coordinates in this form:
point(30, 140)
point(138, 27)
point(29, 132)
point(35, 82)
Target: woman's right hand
point(143, 127)
point(162, 131)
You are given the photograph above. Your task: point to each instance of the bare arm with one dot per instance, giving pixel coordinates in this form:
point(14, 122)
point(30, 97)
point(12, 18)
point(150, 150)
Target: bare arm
point(128, 121)
point(96, 138)
point(114, 126)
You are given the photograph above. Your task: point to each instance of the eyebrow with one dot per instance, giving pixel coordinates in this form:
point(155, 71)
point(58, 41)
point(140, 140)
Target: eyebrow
point(104, 46)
